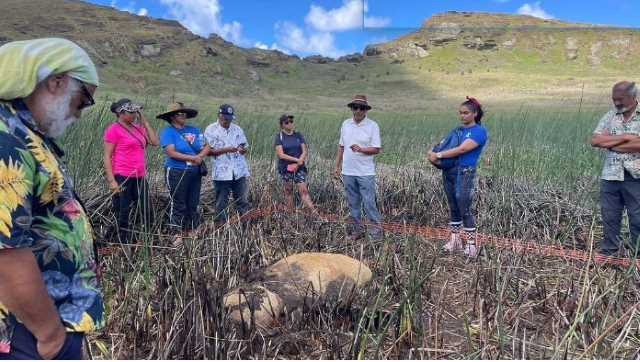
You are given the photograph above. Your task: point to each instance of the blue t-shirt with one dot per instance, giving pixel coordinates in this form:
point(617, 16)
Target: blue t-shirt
point(291, 146)
point(178, 138)
point(478, 134)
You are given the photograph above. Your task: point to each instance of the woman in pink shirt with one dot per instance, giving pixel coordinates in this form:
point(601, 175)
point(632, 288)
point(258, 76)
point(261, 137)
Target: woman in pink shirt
point(125, 141)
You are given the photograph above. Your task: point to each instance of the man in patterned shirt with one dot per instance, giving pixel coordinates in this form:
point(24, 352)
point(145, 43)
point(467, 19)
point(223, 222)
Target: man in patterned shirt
point(230, 171)
point(619, 133)
point(49, 292)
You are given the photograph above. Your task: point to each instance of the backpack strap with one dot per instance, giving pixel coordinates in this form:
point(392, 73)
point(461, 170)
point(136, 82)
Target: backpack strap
point(142, 144)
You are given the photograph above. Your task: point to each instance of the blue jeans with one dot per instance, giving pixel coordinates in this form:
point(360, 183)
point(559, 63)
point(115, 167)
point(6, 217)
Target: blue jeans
point(24, 346)
point(239, 188)
point(184, 191)
point(361, 193)
point(615, 196)
point(459, 187)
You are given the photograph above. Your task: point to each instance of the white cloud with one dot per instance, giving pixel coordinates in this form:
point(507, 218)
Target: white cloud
point(274, 46)
point(318, 37)
point(130, 8)
point(203, 17)
point(348, 16)
point(534, 10)
point(294, 38)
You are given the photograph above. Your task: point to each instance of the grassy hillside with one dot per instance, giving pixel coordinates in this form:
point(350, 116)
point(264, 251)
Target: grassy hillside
point(505, 60)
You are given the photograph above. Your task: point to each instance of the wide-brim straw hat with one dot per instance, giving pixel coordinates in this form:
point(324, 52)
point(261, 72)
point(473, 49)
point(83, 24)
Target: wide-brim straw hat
point(359, 99)
point(177, 107)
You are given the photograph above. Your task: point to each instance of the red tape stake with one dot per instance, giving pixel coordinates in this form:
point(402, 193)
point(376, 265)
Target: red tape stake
point(431, 233)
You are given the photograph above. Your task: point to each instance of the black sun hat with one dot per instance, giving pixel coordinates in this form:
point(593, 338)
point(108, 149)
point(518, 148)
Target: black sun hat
point(177, 107)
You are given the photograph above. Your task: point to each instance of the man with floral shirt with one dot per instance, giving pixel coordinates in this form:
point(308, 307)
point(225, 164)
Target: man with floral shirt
point(230, 169)
point(49, 291)
point(619, 133)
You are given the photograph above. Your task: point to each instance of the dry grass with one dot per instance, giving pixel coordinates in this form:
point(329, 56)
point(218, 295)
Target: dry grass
point(165, 302)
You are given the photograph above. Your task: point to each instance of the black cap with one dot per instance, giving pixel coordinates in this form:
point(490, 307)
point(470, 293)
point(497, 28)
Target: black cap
point(125, 104)
point(285, 117)
point(227, 111)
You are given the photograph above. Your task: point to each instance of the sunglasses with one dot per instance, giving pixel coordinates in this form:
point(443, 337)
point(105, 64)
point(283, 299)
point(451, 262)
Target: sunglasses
point(88, 101)
point(358, 108)
point(289, 121)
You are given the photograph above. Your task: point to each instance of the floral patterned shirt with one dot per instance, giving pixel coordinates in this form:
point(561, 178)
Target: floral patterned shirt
point(616, 163)
point(228, 166)
point(40, 210)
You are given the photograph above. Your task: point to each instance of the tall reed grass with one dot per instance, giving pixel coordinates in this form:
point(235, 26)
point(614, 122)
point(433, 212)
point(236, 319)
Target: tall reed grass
point(538, 180)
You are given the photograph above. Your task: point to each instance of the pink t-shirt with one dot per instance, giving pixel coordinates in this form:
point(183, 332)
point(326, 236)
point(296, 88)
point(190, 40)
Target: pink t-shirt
point(128, 156)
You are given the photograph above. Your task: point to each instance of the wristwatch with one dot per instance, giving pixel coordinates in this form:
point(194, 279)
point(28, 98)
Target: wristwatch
point(439, 155)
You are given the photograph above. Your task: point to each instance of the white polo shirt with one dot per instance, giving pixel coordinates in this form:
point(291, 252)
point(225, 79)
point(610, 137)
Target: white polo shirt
point(365, 134)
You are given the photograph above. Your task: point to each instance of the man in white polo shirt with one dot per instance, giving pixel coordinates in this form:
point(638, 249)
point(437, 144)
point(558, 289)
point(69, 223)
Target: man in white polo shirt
point(359, 142)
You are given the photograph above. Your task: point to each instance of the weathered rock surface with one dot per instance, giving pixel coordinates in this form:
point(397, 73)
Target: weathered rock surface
point(265, 305)
point(352, 58)
point(594, 58)
point(150, 50)
point(318, 59)
point(293, 282)
point(571, 48)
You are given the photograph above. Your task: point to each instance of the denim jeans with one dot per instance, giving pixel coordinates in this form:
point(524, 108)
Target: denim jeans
point(24, 346)
point(239, 188)
point(361, 193)
point(459, 187)
point(134, 192)
point(184, 191)
point(615, 196)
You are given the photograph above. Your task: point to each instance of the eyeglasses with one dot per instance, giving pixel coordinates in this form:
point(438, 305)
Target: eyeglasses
point(358, 108)
point(88, 101)
point(289, 121)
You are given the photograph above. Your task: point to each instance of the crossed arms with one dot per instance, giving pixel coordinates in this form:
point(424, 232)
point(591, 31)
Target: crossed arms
point(624, 143)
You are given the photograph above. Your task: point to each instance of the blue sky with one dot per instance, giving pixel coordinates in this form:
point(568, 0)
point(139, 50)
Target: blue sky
point(334, 27)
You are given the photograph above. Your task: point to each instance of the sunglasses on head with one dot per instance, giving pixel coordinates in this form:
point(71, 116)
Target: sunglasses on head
point(358, 108)
point(88, 101)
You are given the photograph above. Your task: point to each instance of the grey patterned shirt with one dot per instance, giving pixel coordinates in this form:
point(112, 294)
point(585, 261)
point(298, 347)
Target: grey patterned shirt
point(615, 163)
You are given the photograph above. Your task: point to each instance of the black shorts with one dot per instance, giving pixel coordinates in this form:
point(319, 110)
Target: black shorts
point(298, 177)
point(24, 346)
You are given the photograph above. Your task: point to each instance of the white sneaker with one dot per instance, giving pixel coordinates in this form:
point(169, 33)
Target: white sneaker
point(454, 243)
point(471, 250)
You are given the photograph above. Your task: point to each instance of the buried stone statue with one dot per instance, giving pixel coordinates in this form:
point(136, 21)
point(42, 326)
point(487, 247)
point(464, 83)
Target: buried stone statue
point(294, 281)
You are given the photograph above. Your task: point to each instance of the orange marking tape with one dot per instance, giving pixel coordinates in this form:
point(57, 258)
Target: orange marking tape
point(517, 246)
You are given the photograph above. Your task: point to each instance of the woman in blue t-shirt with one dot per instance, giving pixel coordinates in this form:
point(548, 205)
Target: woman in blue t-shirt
point(184, 152)
point(291, 150)
point(459, 179)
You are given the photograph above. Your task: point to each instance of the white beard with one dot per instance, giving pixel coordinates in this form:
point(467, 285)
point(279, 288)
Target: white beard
point(58, 110)
point(57, 128)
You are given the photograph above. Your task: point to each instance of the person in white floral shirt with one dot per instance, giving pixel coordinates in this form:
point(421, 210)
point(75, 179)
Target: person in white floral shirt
point(619, 133)
point(230, 170)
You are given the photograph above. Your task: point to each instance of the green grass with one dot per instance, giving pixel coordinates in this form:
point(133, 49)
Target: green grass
point(538, 180)
point(538, 145)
